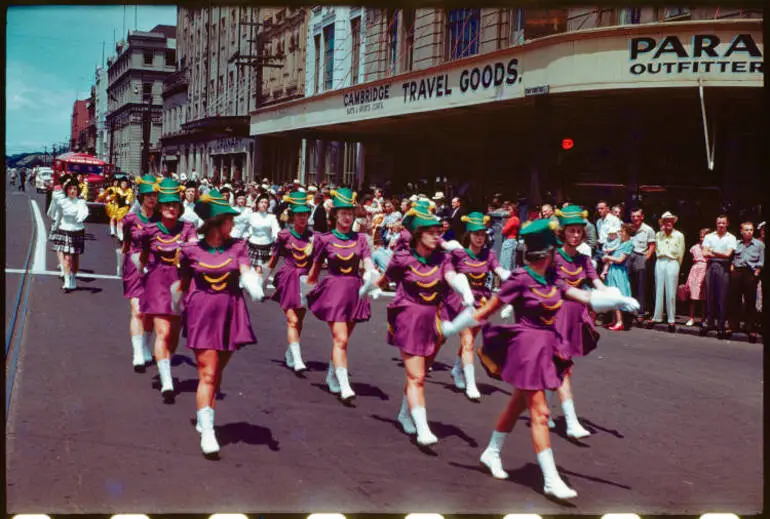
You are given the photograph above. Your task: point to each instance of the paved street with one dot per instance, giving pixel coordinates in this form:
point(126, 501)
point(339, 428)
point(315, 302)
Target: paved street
point(677, 420)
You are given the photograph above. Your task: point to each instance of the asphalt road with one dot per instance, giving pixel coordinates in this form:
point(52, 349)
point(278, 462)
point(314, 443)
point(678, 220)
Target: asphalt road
point(677, 421)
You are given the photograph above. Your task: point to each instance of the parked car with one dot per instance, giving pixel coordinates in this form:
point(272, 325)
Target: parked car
point(43, 179)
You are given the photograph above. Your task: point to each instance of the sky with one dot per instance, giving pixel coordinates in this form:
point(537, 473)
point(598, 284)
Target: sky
point(51, 57)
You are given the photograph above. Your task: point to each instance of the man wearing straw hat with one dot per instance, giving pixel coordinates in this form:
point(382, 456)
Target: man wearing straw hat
point(669, 248)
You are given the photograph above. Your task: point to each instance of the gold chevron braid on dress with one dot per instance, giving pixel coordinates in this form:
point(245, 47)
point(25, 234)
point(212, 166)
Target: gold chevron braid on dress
point(298, 257)
point(578, 271)
point(477, 276)
point(475, 265)
point(303, 249)
point(550, 294)
point(427, 274)
point(346, 258)
point(346, 270)
point(429, 298)
point(302, 265)
point(172, 240)
point(576, 282)
point(345, 246)
point(216, 280)
point(220, 287)
point(554, 306)
point(549, 322)
point(428, 285)
point(226, 262)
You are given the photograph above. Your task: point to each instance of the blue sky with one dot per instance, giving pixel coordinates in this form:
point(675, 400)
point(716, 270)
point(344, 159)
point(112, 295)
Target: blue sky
point(51, 57)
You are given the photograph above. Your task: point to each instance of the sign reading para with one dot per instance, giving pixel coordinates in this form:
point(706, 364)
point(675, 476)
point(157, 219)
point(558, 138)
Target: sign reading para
point(708, 54)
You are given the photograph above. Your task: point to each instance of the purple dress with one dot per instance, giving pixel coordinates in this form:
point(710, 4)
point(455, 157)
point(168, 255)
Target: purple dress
point(476, 270)
point(531, 352)
point(215, 316)
point(133, 227)
point(164, 246)
point(574, 322)
point(296, 252)
point(404, 240)
point(414, 315)
point(335, 298)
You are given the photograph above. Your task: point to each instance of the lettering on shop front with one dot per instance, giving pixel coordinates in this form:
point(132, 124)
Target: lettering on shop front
point(469, 79)
point(366, 100)
point(704, 46)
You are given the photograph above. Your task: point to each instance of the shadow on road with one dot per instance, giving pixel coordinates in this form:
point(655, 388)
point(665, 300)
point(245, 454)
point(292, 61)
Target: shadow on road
point(93, 290)
point(592, 478)
point(591, 425)
point(243, 432)
point(363, 389)
point(443, 430)
point(178, 360)
point(189, 385)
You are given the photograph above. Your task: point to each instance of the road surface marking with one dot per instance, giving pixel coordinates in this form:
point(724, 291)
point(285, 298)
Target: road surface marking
point(38, 265)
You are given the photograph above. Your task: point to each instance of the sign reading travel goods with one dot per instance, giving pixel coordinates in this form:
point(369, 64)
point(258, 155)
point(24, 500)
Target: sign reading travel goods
point(707, 54)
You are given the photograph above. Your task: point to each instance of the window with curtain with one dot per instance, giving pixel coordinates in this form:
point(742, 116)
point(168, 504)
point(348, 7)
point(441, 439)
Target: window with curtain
point(462, 33)
point(409, 16)
point(630, 15)
point(392, 34)
point(328, 56)
point(355, 62)
point(317, 68)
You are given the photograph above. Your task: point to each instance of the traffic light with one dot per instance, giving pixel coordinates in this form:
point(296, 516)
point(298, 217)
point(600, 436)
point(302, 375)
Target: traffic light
point(567, 144)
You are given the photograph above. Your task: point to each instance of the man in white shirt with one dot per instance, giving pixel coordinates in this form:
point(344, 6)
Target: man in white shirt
point(669, 248)
point(638, 264)
point(718, 249)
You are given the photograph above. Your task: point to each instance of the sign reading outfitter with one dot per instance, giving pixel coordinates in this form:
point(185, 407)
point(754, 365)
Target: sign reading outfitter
point(707, 54)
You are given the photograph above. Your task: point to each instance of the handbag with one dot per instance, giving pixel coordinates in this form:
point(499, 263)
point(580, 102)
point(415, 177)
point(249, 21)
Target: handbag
point(683, 292)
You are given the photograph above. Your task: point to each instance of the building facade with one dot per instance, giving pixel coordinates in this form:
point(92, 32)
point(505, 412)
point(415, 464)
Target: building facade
point(479, 101)
point(79, 125)
point(173, 137)
point(100, 100)
point(135, 105)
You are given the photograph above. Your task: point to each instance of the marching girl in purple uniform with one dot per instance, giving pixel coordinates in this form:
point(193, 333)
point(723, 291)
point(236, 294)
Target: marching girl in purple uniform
point(134, 224)
point(574, 323)
point(338, 298)
point(531, 355)
point(424, 276)
point(476, 261)
point(215, 320)
point(161, 247)
point(295, 245)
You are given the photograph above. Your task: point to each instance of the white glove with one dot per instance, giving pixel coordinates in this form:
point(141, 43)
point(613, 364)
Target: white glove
point(375, 293)
point(251, 282)
point(370, 281)
point(304, 290)
point(459, 284)
point(265, 277)
point(137, 263)
point(506, 312)
point(614, 290)
point(604, 301)
point(176, 297)
point(502, 273)
point(451, 245)
point(460, 323)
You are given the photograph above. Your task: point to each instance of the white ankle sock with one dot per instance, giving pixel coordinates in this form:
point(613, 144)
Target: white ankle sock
point(137, 342)
point(148, 347)
point(342, 378)
point(420, 418)
point(568, 406)
point(469, 370)
point(164, 369)
point(296, 353)
point(496, 441)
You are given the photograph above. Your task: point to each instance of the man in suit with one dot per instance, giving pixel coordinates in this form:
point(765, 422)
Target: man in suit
point(455, 220)
point(320, 215)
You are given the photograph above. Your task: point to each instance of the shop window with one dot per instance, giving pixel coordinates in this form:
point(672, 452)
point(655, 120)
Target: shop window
point(630, 15)
point(355, 62)
point(328, 56)
point(392, 31)
point(517, 26)
point(463, 29)
point(349, 165)
point(317, 67)
point(539, 23)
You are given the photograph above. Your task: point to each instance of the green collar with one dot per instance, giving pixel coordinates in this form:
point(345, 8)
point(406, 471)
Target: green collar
point(143, 218)
point(537, 277)
point(163, 228)
point(419, 258)
point(565, 255)
point(349, 236)
point(297, 235)
point(471, 254)
point(214, 250)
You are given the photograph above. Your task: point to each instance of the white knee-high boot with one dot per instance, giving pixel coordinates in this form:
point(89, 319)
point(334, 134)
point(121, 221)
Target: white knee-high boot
point(554, 486)
point(346, 392)
point(574, 429)
point(119, 264)
point(137, 343)
point(490, 458)
point(166, 381)
point(147, 347)
point(471, 391)
point(296, 355)
point(457, 373)
point(548, 398)
point(424, 434)
point(331, 380)
point(405, 419)
point(209, 444)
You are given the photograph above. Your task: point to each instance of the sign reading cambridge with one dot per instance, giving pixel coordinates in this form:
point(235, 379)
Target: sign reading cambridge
point(708, 54)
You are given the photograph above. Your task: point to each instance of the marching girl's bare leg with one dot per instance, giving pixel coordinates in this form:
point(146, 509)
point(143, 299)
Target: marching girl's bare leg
point(415, 395)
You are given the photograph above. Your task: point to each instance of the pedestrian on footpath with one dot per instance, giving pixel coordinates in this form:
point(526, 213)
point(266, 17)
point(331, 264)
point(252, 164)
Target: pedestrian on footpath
point(423, 275)
point(71, 212)
point(617, 273)
point(215, 319)
point(573, 322)
point(477, 262)
point(531, 355)
point(337, 299)
point(696, 278)
point(161, 246)
point(718, 249)
point(669, 248)
point(134, 223)
point(745, 271)
point(295, 245)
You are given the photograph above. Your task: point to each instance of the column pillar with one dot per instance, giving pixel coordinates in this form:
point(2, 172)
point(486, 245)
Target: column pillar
point(360, 165)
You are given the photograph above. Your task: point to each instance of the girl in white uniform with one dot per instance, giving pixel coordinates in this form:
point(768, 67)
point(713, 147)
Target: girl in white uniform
point(71, 212)
point(241, 221)
point(262, 230)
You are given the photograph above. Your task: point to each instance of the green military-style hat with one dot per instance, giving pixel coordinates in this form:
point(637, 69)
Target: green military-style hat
point(539, 235)
point(147, 184)
point(169, 190)
point(213, 204)
point(572, 215)
point(297, 201)
point(343, 198)
point(475, 222)
point(421, 215)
